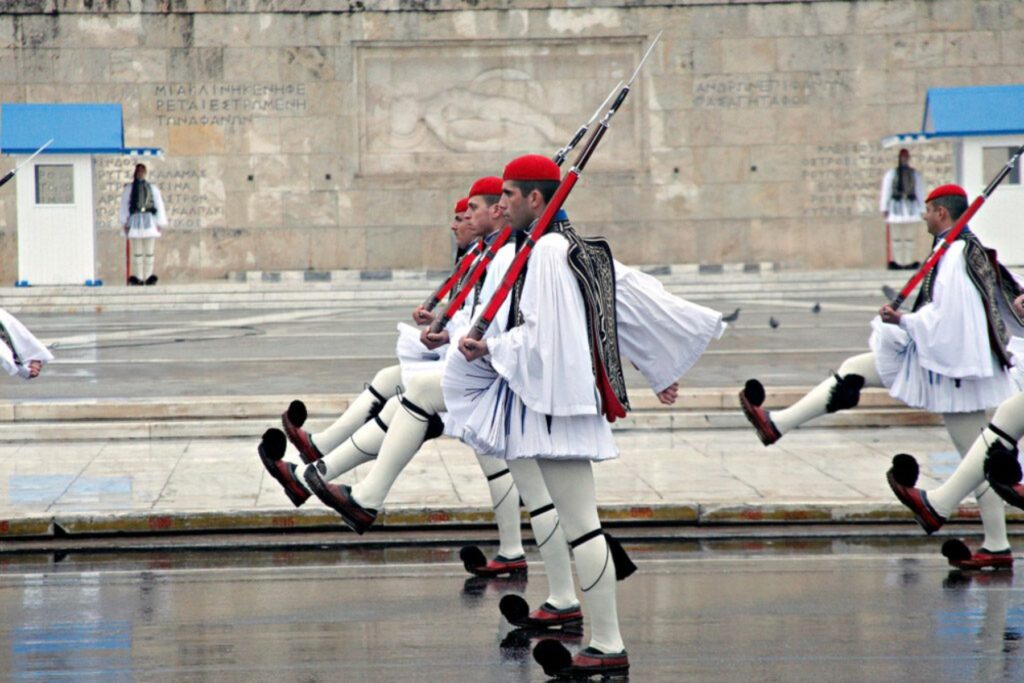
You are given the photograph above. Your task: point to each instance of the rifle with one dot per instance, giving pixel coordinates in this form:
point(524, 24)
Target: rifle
point(957, 228)
point(464, 263)
point(10, 174)
point(506, 232)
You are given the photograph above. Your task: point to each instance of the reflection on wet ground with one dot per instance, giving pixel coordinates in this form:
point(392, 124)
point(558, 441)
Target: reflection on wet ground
point(711, 610)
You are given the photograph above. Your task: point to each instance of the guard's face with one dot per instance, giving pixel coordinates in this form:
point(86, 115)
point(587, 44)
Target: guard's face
point(463, 231)
point(479, 215)
point(935, 217)
point(515, 207)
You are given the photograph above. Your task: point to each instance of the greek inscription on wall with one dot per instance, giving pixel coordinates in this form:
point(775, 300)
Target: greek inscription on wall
point(495, 101)
point(225, 104)
point(180, 182)
point(845, 179)
point(758, 91)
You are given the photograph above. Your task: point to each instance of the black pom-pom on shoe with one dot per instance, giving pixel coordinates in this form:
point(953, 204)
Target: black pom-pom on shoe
point(472, 557)
point(905, 469)
point(552, 656)
point(956, 551)
point(754, 392)
point(514, 608)
point(297, 413)
point(273, 443)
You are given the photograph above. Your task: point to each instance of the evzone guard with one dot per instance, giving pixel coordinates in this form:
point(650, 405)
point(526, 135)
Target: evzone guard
point(949, 356)
point(358, 434)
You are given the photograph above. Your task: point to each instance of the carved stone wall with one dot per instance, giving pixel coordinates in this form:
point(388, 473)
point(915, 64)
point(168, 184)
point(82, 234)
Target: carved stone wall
point(318, 134)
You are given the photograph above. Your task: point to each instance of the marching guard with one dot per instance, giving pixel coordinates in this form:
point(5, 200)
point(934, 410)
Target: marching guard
point(948, 356)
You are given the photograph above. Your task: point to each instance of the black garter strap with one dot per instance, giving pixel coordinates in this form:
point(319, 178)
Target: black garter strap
point(1002, 435)
point(624, 566)
point(497, 475)
point(378, 402)
point(380, 423)
point(435, 425)
point(585, 537)
point(415, 409)
point(541, 510)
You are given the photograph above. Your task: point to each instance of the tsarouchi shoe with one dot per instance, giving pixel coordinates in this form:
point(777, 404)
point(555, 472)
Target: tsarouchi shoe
point(751, 398)
point(901, 477)
point(516, 610)
point(477, 564)
point(961, 557)
point(339, 499)
point(556, 661)
point(292, 421)
point(271, 452)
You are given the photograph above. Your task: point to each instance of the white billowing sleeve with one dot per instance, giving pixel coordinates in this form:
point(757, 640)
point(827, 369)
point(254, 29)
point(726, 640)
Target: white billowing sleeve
point(29, 348)
point(122, 212)
point(158, 204)
point(661, 334)
point(951, 332)
point(883, 204)
point(546, 360)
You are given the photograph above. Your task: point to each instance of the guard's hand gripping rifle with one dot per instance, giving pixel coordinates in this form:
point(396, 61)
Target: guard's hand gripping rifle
point(957, 228)
point(506, 232)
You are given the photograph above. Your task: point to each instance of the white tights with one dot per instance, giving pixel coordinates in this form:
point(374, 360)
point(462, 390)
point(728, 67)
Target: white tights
point(547, 531)
point(963, 429)
point(143, 249)
point(571, 485)
point(970, 475)
point(386, 382)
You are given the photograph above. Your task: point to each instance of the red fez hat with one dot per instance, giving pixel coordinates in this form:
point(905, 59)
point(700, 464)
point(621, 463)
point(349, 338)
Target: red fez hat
point(532, 167)
point(904, 151)
point(490, 185)
point(947, 191)
point(462, 205)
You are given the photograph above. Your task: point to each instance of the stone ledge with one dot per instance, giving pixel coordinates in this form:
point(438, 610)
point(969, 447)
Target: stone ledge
point(681, 513)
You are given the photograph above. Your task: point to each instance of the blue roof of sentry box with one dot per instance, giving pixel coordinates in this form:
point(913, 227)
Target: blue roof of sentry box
point(74, 129)
point(968, 112)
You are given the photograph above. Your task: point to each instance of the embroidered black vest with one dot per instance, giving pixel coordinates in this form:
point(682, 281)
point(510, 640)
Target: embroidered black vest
point(993, 283)
point(590, 260)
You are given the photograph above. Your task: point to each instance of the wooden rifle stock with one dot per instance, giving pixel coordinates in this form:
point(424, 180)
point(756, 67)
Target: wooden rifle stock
point(954, 232)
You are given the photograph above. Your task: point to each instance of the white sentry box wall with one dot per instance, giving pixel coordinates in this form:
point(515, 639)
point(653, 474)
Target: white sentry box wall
point(56, 242)
point(1000, 221)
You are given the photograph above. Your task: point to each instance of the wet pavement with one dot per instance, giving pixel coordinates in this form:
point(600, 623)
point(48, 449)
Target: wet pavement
point(159, 353)
point(850, 610)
